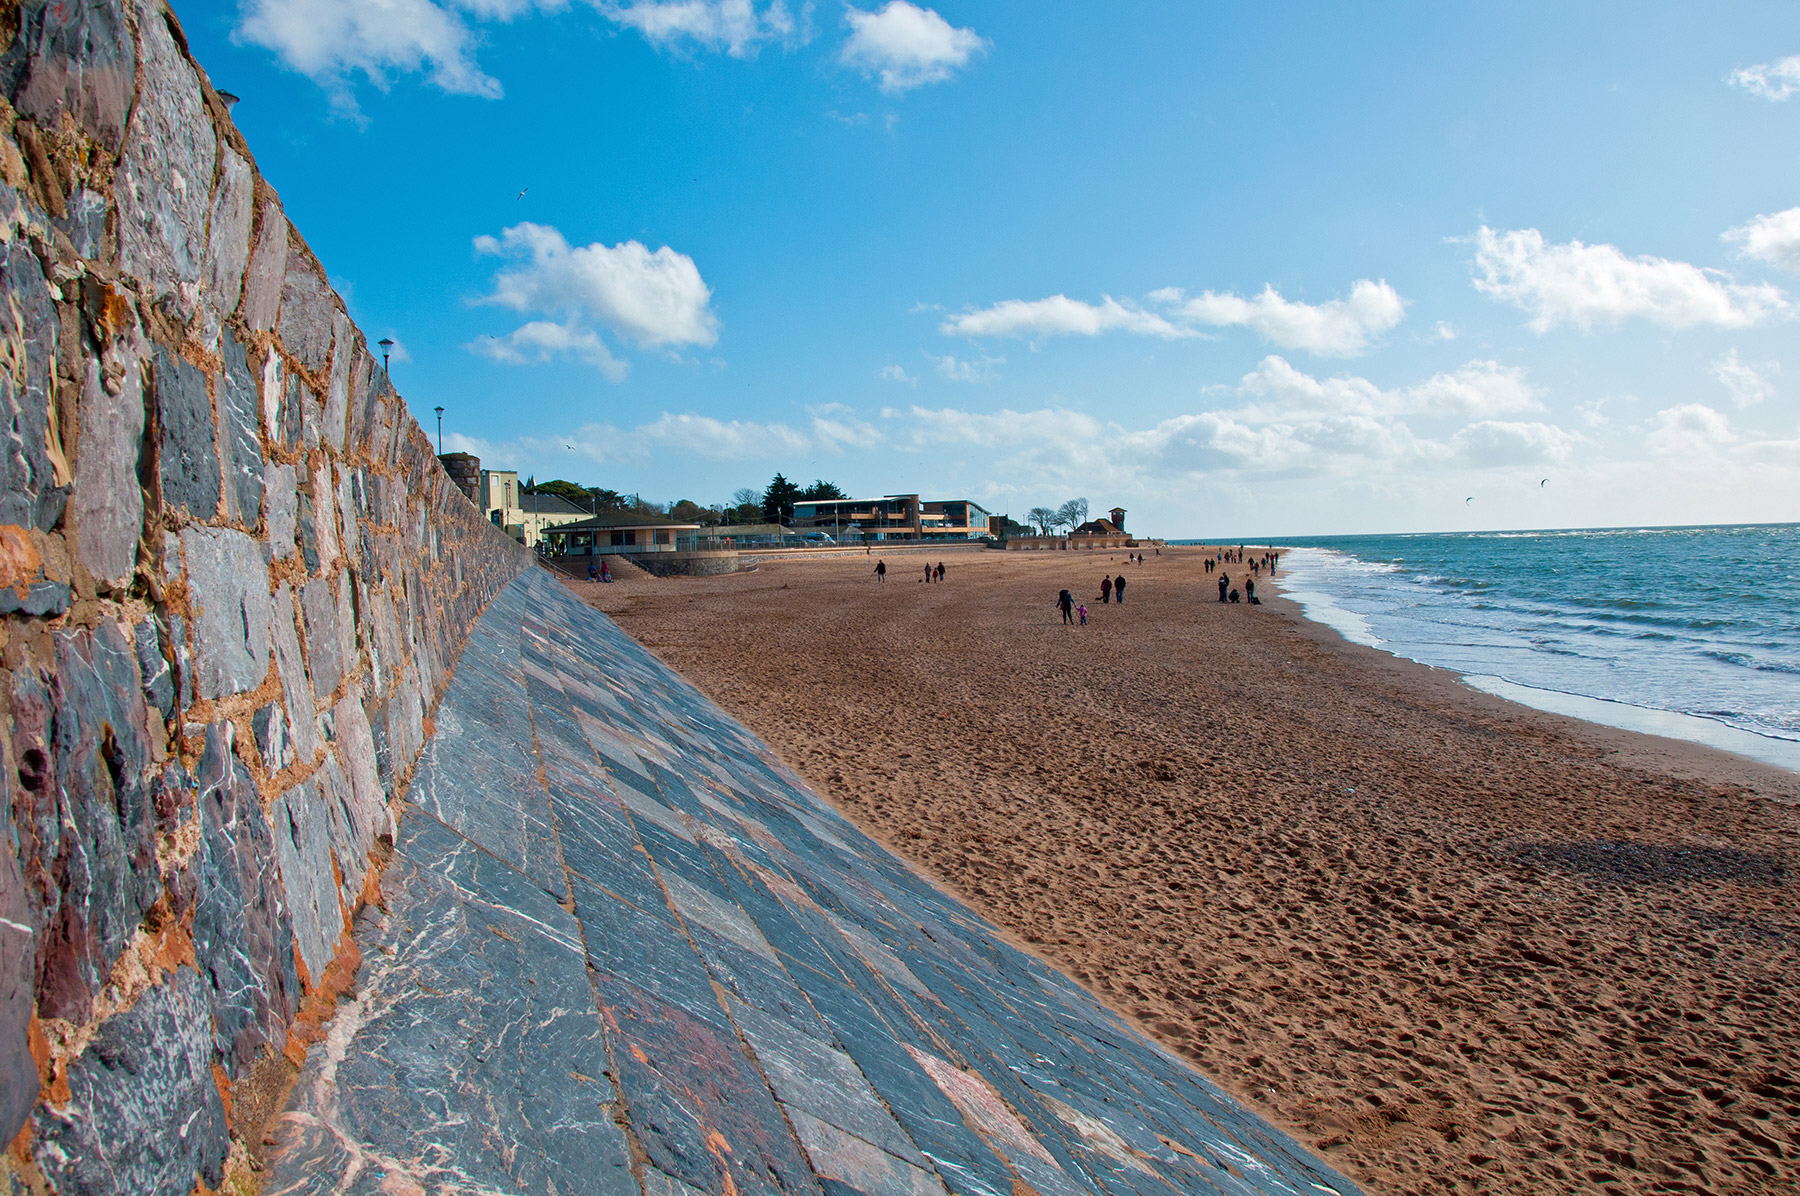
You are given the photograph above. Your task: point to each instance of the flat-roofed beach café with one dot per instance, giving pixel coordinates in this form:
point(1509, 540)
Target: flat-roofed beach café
point(893, 517)
point(609, 536)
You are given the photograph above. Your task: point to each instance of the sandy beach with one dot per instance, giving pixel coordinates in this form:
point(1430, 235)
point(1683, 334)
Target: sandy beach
point(1451, 943)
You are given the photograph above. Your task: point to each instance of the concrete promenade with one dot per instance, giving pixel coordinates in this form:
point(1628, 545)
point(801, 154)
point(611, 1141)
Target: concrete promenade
point(623, 950)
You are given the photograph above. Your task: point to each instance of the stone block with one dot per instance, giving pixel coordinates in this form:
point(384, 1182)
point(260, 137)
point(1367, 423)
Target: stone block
point(324, 645)
point(267, 271)
point(303, 722)
point(243, 930)
point(144, 1115)
point(108, 503)
point(271, 395)
point(228, 586)
point(273, 742)
point(239, 444)
point(344, 341)
point(165, 173)
point(228, 234)
point(73, 56)
point(18, 949)
point(303, 850)
point(84, 812)
point(325, 516)
point(84, 222)
point(189, 457)
point(158, 679)
point(307, 307)
point(183, 656)
point(280, 508)
point(32, 492)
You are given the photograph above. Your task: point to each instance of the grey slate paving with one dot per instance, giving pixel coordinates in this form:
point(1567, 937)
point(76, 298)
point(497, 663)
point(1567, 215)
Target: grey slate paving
point(625, 950)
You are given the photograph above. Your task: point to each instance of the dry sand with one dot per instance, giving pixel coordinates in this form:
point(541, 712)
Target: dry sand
point(1453, 944)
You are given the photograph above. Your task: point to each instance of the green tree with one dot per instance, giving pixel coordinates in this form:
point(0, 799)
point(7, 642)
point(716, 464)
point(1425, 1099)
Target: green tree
point(821, 489)
point(566, 490)
point(778, 500)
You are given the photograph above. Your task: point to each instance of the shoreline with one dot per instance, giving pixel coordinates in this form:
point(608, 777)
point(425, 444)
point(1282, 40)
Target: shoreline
point(1767, 750)
point(1448, 941)
point(1634, 747)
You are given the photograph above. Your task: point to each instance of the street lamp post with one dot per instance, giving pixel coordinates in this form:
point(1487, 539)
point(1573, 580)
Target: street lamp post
point(440, 415)
point(386, 346)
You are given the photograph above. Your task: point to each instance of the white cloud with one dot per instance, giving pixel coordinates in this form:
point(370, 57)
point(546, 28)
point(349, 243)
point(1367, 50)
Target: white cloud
point(1770, 80)
point(734, 26)
point(1338, 328)
point(655, 299)
point(1278, 422)
point(332, 40)
point(541, 341)
point(1480, 389)
point(1588, 285)
point(895, 373)
point(1689, 429)
point(983, 370)
point(1491, 442)
point(831, 429)
point(1059, 315)
point(907, 46)
point(1773, 239)
point(1748, 385)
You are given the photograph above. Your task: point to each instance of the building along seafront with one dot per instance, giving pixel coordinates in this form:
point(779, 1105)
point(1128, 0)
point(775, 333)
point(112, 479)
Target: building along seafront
point(893, 517)
point(346, 851)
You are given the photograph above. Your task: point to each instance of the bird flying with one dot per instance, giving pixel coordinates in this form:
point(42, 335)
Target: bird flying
point(522, 192)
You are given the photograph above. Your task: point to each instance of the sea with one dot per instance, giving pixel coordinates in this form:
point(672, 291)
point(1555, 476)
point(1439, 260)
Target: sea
point(1686, 632)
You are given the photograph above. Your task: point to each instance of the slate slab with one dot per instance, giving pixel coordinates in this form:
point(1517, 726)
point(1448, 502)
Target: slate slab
point(228, 585)
point(144, 1115)
point(185, 437)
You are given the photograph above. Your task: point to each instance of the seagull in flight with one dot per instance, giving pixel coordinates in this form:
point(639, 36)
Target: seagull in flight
point(522, 192)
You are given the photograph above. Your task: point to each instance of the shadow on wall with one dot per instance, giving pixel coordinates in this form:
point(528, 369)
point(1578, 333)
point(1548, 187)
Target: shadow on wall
point(234, 580)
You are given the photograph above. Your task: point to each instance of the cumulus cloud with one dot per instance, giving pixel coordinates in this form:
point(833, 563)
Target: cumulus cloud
point(330, 41)
point(984, 369)
point(737, 27)
point(1276, 422)
point(654, 299)
point(1773, 239)
point(1589, 285)
point(1747, 384)
point(1337, 328)
point(1688, 429)
point(906, 46)
point(1059, 315)
point(541, 341)
point(897, 373)
point(1510, 442)
point(1769, 80)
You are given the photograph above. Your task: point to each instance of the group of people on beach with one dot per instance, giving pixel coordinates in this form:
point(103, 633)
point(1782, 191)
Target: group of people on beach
point(932, 572)
point(1111, 588)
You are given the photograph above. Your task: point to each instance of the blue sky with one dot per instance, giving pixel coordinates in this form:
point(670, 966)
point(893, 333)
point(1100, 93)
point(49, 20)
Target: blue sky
point(1243, 269)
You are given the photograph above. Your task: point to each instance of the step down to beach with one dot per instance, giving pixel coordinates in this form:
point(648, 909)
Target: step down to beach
point(624, 950)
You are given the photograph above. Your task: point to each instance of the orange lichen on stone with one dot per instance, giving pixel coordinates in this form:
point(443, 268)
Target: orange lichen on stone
point(322, 998)
point(223, 1083)
point(20, 562)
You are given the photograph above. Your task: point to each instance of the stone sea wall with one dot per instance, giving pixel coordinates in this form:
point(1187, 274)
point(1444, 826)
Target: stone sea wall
point(233, 582)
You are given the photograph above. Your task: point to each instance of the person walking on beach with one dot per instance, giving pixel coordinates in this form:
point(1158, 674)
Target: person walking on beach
point(1106, 589)
point(1119, 588)
point(1082, 611)
point(940, 570)
point(1224, 581)
point(880, 570)
point(928, 574)
point(1250, 588)
point(1066, 604)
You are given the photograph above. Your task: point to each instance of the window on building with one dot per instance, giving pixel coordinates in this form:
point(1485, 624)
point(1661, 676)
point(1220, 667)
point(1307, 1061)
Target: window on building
point(662, 537)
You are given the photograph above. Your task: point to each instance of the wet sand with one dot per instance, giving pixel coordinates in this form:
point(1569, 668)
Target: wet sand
point(1452, 943)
